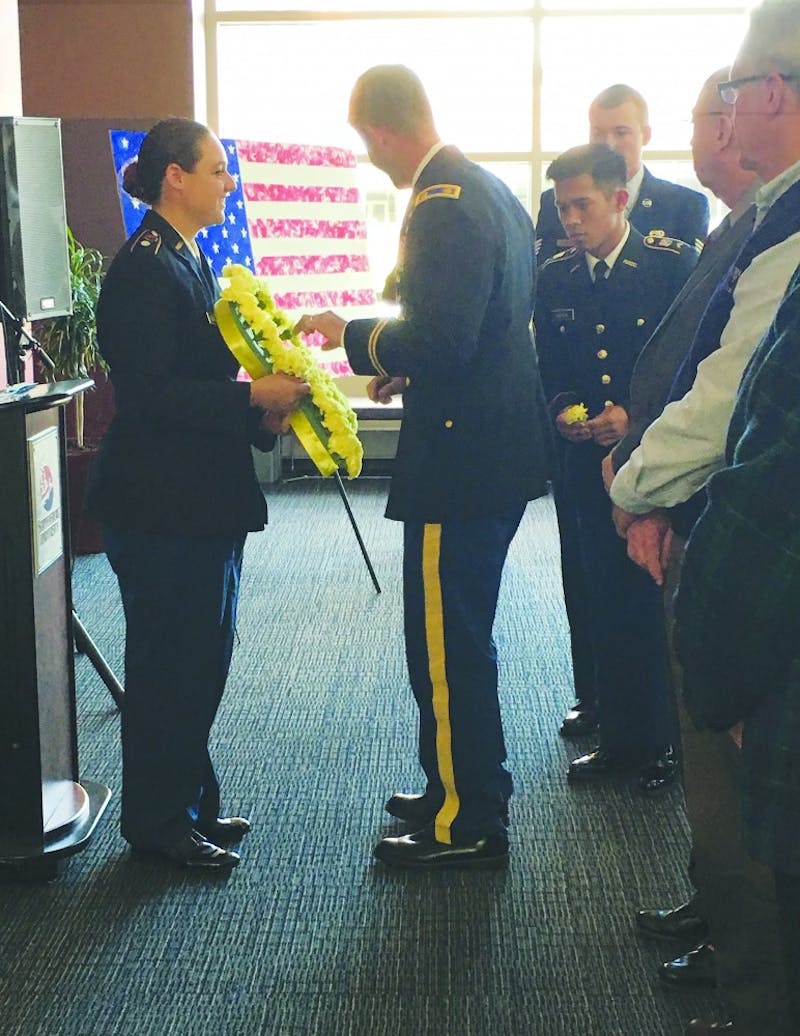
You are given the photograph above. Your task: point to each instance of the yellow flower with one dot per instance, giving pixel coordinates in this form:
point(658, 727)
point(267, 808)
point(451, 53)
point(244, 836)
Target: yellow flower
point(260, 336)
point(575, 414)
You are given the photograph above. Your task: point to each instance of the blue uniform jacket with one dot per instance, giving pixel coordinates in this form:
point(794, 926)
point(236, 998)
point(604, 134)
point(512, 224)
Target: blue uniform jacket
point(673, 210)
point(474, 439)
point(589, 340)
point(177, 456)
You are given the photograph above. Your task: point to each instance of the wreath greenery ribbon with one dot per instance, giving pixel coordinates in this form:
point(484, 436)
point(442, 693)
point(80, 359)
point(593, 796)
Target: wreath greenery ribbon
point(260, 336)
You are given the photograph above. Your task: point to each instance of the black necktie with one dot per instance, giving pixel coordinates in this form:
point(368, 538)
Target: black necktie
point(600, 271)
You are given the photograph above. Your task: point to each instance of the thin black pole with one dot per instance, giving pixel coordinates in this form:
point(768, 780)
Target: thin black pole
point(346, 502)
point(86, 646)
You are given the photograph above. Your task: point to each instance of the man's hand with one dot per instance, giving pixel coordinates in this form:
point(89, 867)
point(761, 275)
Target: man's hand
point(623, 520)
point(280, 394)
point(607, 469)
point(328, 324)
point(649, 543)
point(609, 426)
point(274, 423)
point(381, 390)
point(578, 431)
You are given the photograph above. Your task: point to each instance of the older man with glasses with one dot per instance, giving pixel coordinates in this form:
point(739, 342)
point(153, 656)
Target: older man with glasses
point(661, 488)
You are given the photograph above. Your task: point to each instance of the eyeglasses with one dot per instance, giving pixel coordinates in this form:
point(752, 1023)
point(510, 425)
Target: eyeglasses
point(729, 90)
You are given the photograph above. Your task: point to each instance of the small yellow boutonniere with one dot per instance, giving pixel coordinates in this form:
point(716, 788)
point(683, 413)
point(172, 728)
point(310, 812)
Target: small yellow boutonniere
point(575, 414)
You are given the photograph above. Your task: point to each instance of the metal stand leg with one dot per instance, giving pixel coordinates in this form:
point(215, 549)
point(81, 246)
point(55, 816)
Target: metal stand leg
point(346, 502)
point(85, 644)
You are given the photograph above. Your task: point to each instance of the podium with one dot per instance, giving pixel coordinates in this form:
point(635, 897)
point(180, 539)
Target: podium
point(46, 814)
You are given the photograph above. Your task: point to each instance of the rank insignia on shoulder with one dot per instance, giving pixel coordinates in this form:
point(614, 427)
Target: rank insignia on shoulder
point(438, 190)
point(148, 239)
point(666, 244)
point(559, 257)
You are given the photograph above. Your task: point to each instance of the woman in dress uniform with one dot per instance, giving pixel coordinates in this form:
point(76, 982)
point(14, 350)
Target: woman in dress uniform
point(176, 491)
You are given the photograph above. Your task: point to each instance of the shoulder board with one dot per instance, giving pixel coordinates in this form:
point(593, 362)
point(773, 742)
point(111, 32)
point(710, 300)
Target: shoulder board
point(665, 244)
point(559, 257)
point(148, 239)
point(438, 190)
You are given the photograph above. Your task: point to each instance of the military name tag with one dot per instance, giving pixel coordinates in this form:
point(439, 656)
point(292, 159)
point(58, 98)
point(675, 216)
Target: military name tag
point(563, 314)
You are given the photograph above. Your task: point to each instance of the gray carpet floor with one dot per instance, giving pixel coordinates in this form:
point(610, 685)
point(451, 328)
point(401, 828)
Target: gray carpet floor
point(308, 937)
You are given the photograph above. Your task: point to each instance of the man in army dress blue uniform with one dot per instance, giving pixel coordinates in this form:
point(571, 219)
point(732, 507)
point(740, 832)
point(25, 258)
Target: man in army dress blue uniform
point(473, 448)
point(618, 116)
point(598, 303)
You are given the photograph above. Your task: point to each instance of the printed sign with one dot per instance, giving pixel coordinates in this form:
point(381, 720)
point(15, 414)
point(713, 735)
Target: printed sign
point(44, 467)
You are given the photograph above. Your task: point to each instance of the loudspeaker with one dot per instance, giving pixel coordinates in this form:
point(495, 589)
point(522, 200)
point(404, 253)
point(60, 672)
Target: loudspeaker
point(34, 256)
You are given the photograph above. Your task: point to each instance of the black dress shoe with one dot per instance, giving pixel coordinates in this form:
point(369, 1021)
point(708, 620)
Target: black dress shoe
point(580, 721)
point(194, 851)
point(418, 810)
point(598, 763)
point(421, 851)
point(658, 773)
point(224, 830)
point(695, 968)
point(680, 923)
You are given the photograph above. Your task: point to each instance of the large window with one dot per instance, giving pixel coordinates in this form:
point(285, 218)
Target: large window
point(509, 83)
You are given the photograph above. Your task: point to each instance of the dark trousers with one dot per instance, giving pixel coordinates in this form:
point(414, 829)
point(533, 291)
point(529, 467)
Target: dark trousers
point(451, 581)
point(179, 594)
point(576, 604)
point(787, 889)
point(735, 894)
point(625, 619)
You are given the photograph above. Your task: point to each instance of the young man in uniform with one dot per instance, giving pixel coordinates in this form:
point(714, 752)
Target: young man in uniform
point(598, 303)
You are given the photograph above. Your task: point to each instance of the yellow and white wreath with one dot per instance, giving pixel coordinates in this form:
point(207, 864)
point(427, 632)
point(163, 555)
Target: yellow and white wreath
point(260, 336)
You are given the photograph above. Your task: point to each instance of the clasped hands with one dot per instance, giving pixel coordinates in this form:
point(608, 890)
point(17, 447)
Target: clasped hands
point(649, 536)
point(607, 428)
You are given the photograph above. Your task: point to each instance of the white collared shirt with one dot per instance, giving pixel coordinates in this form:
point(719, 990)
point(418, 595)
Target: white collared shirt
point(613, 255)
point(437, 147)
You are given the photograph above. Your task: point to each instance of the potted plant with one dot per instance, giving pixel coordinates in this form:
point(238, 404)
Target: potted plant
point(71, 343)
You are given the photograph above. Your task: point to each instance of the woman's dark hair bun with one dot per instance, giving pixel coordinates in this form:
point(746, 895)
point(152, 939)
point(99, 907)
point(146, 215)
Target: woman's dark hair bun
point(130, 179)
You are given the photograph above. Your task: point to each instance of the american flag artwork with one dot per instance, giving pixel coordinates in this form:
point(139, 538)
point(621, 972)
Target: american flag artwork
point(295, 218)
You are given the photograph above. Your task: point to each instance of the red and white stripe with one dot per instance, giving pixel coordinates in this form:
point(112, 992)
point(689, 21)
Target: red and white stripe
point(307, 230)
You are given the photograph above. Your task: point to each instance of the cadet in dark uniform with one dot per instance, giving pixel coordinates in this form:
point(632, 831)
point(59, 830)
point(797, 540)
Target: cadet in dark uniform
point(473, 449)
point(618, 117)
point(598, 304)
point(175, 488)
